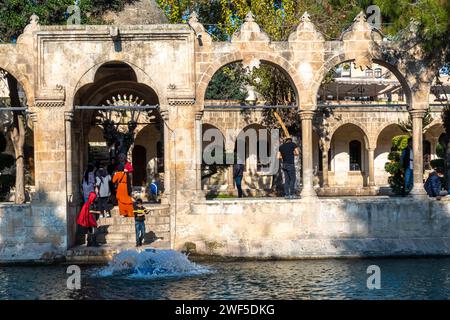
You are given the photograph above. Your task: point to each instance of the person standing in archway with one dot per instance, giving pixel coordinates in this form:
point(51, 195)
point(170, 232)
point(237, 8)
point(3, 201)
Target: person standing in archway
point(407, 162)
point(287, 153)
point(121, 180)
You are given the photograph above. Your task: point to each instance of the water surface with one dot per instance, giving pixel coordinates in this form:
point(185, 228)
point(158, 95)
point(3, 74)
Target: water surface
point(303, 279)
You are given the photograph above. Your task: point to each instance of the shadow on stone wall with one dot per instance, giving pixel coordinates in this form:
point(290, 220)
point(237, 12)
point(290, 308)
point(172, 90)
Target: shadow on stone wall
point(393, 226)
point(34, 232)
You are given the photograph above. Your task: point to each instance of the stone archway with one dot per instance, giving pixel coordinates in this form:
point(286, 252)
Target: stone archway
point(346, 171)
point(115, 84)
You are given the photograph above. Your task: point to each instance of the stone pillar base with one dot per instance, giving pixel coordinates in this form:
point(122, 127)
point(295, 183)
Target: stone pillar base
point(308, 193)
point(418, 192)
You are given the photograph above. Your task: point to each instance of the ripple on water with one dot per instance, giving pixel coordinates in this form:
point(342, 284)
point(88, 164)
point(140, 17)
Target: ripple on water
point(169, 275)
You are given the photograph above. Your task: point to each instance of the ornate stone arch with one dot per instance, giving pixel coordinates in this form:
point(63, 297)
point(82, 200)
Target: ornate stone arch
point(351, 57)
point(22, 80)
point(368, 142)
point(87, 76)
point(265, 57)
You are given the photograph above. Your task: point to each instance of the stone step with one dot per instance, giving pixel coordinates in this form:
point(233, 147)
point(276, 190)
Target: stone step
point(130, 237)
point(130, 221)
point(130, 228)
point(118, 230)
point(104, 253)
point(155, 210)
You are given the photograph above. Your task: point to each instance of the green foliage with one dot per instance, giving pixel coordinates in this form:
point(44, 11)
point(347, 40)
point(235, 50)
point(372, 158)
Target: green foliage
point(430, 16)
point(228, 84)
point(440, 151)
point(393, 167)
point(15, 14)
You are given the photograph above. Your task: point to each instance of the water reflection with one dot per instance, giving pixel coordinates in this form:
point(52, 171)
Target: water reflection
point(313, 279)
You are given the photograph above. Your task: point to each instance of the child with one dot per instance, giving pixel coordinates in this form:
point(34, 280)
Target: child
point(139, 219)
point(87, 220)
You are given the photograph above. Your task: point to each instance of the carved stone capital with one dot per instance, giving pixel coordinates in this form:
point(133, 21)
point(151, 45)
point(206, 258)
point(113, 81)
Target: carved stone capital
point(164, 114)
point(306, 115)
point(68, 116)
point(417, 113)
point(199, 115)
point(33, 116)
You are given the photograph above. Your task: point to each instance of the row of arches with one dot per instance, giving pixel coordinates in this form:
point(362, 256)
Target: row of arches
point(115, 78)
point(347, 161)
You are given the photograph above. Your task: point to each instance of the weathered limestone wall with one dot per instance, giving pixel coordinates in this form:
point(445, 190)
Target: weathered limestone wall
point(32, 233)
point(320, 228)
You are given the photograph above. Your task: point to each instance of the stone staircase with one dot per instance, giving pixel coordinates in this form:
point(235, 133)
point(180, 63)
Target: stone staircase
point(118, 233)
point(118, 229)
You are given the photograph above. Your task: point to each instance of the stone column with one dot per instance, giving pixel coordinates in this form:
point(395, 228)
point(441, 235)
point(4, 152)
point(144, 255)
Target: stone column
point(198, 150)
point(306, 117)
point(417, 122)
point(51, 183)
point(166, 135)
point(324, 160)
point(371, 154)
point(68, 117)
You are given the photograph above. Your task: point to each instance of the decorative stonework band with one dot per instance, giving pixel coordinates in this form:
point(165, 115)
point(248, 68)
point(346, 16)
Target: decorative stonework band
point(181, 102)
point(49, 104)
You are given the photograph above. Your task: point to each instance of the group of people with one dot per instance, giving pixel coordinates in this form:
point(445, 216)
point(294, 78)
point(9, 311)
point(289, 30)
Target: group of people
point(102, 189)
point(286, 153)
point(289, 150)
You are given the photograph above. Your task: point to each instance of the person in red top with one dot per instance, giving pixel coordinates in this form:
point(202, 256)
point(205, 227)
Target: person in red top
point(87, 219)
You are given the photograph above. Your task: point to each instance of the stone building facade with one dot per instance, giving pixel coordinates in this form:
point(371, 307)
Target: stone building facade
point(64, 67)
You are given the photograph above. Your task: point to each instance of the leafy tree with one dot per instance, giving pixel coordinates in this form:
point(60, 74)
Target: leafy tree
point(15, 14)
point(228, 84)
point(393, 167)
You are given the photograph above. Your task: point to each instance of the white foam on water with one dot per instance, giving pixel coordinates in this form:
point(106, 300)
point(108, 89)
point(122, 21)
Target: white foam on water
point(151, 264)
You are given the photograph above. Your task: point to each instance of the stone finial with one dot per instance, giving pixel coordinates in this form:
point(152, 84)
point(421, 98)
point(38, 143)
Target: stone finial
point(250, 31)
point(305, 17)
point(306, 30)
point(34, 19)
point(249, 17)
point(27, 32)
point(193, 18)
point(199, 29)
point(360, 18)
point(359, 30)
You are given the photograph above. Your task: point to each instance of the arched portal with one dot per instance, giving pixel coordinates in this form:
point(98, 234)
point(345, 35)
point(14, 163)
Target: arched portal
point(214, 168)
point(349, 165)
point(259, 92)
point(111, 117)
point(383, 148)
point(17, 165)
point(350, 86)
point(254, 148)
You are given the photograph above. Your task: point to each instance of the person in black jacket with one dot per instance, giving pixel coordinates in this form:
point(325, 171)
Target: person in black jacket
point(238, 173)
point(407, 162)
point(433, 184)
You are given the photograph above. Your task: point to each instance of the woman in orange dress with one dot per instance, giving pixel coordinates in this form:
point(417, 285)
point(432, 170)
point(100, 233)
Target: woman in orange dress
point(123, 198)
